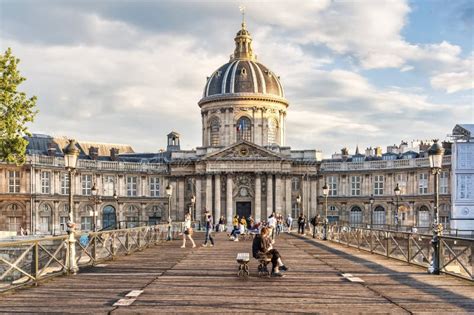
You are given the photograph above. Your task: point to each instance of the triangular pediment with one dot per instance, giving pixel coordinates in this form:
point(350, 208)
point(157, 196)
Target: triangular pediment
point(244, 150)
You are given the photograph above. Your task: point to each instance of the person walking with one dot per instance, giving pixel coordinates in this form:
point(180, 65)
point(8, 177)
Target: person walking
point(289, 222)
point(209, 228)
point(301, 223)
point(271, 224)
point(314, 223)
point(188, 230)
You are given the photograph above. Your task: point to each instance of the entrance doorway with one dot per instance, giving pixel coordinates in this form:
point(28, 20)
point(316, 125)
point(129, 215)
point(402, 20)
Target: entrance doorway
point(244, 208)
point(109, 219)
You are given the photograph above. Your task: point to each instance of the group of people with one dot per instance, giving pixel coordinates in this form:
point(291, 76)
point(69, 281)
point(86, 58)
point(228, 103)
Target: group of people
point(262, 246)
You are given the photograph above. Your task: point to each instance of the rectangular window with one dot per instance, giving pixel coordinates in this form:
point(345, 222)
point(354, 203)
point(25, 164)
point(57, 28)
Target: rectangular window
point(64, 183)
point(154, 186)
point(86, 223)
point(45, 182)
point(295, 184)
point(355, 185)
point(109, 185)
point(423, 183)
point(332, 185)
point(378, 185)
point(132, 185)
point(62, 223)
point(444, 182)
point(86, 180)
point(13, 181)
point(401, 180)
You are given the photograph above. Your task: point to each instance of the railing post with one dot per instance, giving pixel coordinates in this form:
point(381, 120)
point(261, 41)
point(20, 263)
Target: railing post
point(387, 247)
point(94, 248)
point(127, 241)
point(138, 238)
point(112, 245)
point(35, 263)
point(371, 240)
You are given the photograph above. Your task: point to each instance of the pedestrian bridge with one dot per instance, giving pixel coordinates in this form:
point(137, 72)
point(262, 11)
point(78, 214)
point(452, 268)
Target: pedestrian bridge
point(136, 271)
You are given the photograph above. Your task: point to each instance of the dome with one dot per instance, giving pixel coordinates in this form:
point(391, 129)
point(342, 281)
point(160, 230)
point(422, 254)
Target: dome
point(243, 74)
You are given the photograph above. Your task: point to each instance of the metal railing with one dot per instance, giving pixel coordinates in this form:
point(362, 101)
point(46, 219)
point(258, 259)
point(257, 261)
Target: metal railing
point(30, 261)
point(456, 253)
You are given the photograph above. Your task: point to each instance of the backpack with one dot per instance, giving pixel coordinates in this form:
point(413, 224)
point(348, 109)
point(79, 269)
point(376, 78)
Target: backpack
point(314, 221)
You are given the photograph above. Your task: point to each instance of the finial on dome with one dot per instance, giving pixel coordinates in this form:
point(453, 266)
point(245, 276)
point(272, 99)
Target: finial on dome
point(243, 41)
point(242, 10)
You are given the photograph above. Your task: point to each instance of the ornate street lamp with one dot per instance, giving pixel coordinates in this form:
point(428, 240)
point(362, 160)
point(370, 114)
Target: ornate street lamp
point(397, 195)
point(435, 154)
point(193, 205)
point(325, 194)
point(71, 153)
point(371, 202)
point(169, 192)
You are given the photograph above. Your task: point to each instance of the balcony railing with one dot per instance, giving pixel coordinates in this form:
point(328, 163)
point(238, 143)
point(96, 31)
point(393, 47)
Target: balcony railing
point(40, 160)
point(380, 164)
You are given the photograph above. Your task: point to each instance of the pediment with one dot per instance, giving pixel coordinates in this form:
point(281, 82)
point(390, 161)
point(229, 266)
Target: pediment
point(244, 150)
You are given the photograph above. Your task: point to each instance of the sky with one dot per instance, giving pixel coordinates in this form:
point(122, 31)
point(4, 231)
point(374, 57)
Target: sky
point(365, 72)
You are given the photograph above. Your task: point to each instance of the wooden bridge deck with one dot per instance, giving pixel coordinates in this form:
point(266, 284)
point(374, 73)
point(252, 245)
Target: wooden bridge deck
point(204, 280)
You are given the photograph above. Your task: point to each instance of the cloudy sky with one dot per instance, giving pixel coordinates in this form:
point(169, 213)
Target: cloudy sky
point(355, 72)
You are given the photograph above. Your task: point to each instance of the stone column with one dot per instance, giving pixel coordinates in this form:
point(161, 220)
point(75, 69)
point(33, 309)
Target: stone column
point(258, 198)
point(180, 211)
point(278, 194)
point(55, 218)
point(288, 196)
point(314, 194)
point(36, 218)
point(269, 194)
point(217, 198)
point(229, 201)
point(198, 204)
point(143, 216)
point(209, 193)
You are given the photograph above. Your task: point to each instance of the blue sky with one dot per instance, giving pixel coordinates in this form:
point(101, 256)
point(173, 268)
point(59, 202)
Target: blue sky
point(362, 72)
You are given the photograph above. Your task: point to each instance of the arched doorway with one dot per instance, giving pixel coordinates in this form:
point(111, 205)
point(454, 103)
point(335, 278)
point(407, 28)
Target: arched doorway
point(424, 217)
point(109, 218)
point(378, 217)
point(355, 218)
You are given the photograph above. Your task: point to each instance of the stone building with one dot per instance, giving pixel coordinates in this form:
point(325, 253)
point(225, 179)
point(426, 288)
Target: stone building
point(243, 167)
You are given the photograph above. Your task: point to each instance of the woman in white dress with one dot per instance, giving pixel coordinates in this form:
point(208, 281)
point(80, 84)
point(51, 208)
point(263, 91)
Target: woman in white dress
point(187, 230)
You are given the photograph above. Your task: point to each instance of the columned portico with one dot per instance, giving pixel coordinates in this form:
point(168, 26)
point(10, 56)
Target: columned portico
point(258, 198)
point(228, 199)
point(269, 194)
point(198, 204)
point(217, 197)
point(208, 193)
point(278, 194)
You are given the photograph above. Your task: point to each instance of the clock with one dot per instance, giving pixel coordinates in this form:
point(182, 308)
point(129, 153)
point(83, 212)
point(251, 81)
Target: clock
point(244, 151)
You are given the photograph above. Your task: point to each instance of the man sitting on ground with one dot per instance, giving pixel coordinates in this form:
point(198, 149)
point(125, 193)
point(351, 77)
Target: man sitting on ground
point(262, 248)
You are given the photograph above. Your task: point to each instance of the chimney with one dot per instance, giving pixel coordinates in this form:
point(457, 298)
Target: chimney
point(344, 153)
point(51, 149)
point(114, 154)
point(94, 152)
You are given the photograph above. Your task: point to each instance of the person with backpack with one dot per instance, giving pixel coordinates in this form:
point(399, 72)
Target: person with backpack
point(209, 229)
point(314, 222)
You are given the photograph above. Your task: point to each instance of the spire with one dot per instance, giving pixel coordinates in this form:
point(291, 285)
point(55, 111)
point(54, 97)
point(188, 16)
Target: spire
point(357, 150)
point(243, 42)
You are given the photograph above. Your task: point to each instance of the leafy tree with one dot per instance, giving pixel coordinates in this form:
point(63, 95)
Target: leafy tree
point(16, 110)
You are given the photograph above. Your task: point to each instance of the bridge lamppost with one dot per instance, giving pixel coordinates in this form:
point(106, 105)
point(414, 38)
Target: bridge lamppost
point(397, 195)
point(371, 202)
point(169, 192)
point(325, 194)
point(96, 199)
point(435, 154)
point(71, 154)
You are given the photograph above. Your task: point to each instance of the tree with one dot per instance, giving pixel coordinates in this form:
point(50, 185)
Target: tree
point(16, 110)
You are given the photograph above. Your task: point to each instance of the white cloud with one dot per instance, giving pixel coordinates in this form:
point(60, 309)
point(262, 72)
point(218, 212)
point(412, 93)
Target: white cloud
point(453, 81)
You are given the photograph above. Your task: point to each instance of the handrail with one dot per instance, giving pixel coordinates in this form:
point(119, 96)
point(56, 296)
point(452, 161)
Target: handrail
point(30, 261)
point(456, 253)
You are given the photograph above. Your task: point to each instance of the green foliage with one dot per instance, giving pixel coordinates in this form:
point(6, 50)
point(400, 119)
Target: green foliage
point(16, 110)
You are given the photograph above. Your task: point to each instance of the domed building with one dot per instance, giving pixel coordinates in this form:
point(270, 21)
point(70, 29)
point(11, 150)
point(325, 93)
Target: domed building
point(243, 167)
point(243, 100)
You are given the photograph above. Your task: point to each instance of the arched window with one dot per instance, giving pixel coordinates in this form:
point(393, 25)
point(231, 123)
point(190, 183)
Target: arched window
point(214, 128)
point(272, 131)
point(109, 219)
point(356, 216)
point(378, 217)
point(244, 129)
point(424, 217)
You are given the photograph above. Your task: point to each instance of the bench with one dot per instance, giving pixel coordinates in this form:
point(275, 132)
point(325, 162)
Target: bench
point(243, 260)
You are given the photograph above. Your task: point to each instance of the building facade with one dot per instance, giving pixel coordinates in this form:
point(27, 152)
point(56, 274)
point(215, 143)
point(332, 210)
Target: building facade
point(243, 167)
